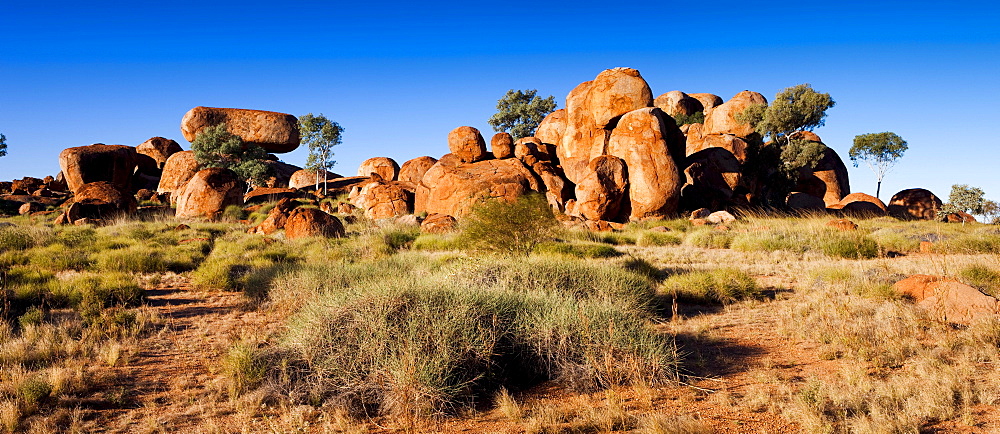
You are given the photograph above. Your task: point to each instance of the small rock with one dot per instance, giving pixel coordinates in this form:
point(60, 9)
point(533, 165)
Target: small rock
point(842, 224)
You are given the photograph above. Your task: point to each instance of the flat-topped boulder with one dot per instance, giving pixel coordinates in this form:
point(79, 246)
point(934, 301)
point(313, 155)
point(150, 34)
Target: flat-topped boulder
point(273, 131)
point(99, 162)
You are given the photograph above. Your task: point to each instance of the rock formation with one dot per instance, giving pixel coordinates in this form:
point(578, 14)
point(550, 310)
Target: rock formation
point(413, 170)
point(383, 166)
point(304, 179)
point(111, 163)
point(502, 145)
point(159, 149)
point(654, 181)
point(467, 144)
point(177, 171)
point(208, 193)
point(948, 300)
point(275, 132)
point(599, 195)
point(914, 204)
point(311, 222)
point(451, 187)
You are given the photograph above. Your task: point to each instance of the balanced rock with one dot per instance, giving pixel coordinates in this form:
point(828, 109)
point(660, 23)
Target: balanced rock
point(502, 145)
point(384, 166)
point(208, 193)
point(177, 171)
point(311, 222)
point(413, 170)
point(99, 162)
point(159, 149)
point(722, 119)
point(640, 139)
point(467, 144)
point(914, 204)
point(452, 188)
point(948, 300)
point(615, 92)
point(275, 132)
point(599, 195)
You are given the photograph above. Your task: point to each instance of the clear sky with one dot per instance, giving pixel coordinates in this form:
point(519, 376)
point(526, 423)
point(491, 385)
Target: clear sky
point(400, 76)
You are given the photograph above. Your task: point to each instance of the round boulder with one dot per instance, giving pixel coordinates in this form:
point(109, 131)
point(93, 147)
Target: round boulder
point(98, 162)
point(208, 193)
point(177, 171)
point(159, 149)
point(413, 170)
point(615, 92)
point(384, 166)
point(467, 144)
point(914, 204)
point(502, 145)
point(311, 222)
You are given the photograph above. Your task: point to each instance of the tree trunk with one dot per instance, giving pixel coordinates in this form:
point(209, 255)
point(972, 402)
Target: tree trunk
point(878, 188)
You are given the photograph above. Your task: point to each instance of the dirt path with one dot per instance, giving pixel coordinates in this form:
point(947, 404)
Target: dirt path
point(173, 383)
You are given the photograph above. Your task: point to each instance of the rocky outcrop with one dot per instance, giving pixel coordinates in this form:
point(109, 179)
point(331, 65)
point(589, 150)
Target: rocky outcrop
point(914, 204)
point(959, 217)
point(208, 193)
point(110, 163)
point(177, 171)
point(550, 130)
point(640, 139)
point(948, 300)
point(269, 194)
point(276, 218)
point(281, 173)
point(311, 222)
point(384, 199)
point(413, 170)
point(502, 145)
point(861, 205)
point(384, 166)
point(722, 119)
point(599, 195)
point(275, 132)
point(467, 144)
point(159, 149)
point(451, 187)
point(697, 142)
point(714, 180)
point(708, 101)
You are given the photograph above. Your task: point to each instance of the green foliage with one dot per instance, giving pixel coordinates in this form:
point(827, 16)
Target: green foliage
point(520, 112)
point(15, 238)
point(510, 228)
point(579, 250)
point(879, 151)
point(709, 238)
point(984, 278)
point(215, 146)
point(849, 247)
point(799, 153)
point(3, 145)
point(991, 212)
point(693, 118)
point(650, 238)
point(964, 199)
point(245, 367)
point(321, 135)
point(719, 286)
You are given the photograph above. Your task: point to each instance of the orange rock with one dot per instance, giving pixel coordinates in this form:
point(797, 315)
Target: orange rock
point(380, 199)
point(862, 205)
point(208, 193)
point(948, 300)
point(30, 207)
point(384, 166)
point(99, 162)
point(266, 194)
point(307, 179)
point(713, 177)
point(275, 132)
point(599, 195)
point(597, 226)
point(842, 225)
point(311, 222)
point(177, 171)
point(708, 101)
point(926, 247)
point(413, 170)
point(438, 224)
point(640, 139)
point(959, 217)
point(467, 144)
point(829, 180)
point(452, 188)
point(345, 208)
point(281, 174)
point(696, 142)
point(914, 204)
point(276, 218)
point(615, 92)
point(550, 130)
point(722, 119)
point(102, 200)
point(159, 149)
point(502, 145)
point(582, 140)
point(676, 103)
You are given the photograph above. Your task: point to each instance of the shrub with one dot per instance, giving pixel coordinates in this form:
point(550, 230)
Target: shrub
point(723, 285)
point(510, 228)
point(244, 366)
point(580, 250)
point(709, 238)
point(437, 242)
point(233, 213)
point(850, 247)
point(32, 390)
point(982, 277)
point(650, 238)
point(15, 238)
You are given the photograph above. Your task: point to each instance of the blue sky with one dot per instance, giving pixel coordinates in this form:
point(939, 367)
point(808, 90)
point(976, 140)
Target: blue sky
point(400, 76)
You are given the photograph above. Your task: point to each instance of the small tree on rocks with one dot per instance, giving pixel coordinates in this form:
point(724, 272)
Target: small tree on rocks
point(520, 112)
point(215, 146)
point(321, 135)
point(879, 151)
point(3, 145)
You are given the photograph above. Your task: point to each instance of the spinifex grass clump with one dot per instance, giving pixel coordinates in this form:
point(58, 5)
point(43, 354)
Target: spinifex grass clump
point(409, 336)
point(719, 286)
point(510, 228)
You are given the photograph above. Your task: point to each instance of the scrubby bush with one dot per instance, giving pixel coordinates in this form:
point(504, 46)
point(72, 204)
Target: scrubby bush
point(15, 238)
point(850, 247)
point(510, 228)
point(723, 285)
point(650, 238)
point(709, 238)
point(982, 277)
point(580, 250)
